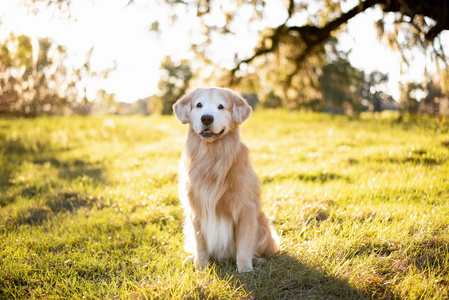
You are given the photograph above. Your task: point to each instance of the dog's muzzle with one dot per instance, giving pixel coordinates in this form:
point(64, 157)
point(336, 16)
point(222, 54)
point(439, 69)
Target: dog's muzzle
point(207, 133)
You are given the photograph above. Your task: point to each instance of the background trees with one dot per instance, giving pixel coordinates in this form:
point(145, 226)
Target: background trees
point(173, 84)
point(36, 80)
point(295, 63)
point(417, 23)
point(303, 53)
point(32, 84)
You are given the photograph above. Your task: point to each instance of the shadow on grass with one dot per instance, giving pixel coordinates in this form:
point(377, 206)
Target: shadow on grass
point(285, 277)
point(42, 202)
point(415, 160)
point(416, 157)
point(428, 253)
point(71, 169)
point(321, 177)
point(58, 203)
point(67, 170)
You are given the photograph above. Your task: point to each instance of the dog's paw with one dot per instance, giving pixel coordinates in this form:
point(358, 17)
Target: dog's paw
point(246, 270)
point(201, 260)
point(244, 265)
point(190, 259)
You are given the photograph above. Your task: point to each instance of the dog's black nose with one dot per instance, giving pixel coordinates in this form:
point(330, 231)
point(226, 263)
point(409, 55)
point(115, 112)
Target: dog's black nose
point(207, 119)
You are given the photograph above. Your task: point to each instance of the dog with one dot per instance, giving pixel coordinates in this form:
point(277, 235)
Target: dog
point(218, 189)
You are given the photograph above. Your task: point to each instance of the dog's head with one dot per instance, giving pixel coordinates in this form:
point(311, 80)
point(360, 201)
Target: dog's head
point(212, 112)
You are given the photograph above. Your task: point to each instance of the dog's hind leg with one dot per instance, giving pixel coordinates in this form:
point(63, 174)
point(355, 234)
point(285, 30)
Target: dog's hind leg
point(267, 239)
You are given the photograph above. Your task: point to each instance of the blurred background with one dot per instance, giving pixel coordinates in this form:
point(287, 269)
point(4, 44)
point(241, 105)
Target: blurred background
point(63, 57)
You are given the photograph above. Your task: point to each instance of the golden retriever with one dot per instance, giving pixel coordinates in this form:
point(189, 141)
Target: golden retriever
point(218, 188)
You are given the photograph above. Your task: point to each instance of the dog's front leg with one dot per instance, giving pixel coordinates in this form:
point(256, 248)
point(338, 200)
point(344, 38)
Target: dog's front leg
point(246, 231)
point(201, 255)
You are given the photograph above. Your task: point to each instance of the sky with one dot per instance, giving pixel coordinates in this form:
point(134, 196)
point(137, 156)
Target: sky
point(120, 34)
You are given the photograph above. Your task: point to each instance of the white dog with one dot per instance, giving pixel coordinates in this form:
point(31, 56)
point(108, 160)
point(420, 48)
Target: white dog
point(218, 188)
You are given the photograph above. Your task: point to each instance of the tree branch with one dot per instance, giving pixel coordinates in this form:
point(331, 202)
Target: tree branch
point(274, 38)
point(310, 35)
point(313, 36)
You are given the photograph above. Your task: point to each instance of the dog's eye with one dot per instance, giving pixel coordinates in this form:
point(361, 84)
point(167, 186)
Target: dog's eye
point(199, 105)
point(220, 106)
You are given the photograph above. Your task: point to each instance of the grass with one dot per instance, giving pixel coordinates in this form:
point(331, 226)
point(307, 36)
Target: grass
point(89, 209)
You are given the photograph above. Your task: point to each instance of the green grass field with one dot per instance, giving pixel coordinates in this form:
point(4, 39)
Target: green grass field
point(89, 209)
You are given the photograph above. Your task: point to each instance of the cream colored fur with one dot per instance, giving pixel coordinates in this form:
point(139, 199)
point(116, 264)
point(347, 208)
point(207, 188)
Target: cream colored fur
point(218, 188)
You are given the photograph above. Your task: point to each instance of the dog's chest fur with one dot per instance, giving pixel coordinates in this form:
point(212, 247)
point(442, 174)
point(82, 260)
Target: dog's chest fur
point(219, 235)
point(207, 178)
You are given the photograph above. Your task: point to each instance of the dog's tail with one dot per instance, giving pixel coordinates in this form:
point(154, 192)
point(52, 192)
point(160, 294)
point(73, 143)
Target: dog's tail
point(267, 239)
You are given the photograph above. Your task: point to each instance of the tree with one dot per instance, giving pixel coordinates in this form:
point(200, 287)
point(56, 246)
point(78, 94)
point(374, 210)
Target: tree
point(418, 23)
point(173, 84)
point(373, 94)
point(339, 84)
point(411, 20)
point(291, 53)
point(36, 80)
point(31, 85)
point(410, 97)
point(430, 104)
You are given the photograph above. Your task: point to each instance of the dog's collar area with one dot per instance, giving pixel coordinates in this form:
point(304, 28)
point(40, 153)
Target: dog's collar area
point(208, 133)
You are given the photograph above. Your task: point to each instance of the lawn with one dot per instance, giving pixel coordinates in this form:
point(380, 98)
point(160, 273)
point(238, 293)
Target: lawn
point(89, 209)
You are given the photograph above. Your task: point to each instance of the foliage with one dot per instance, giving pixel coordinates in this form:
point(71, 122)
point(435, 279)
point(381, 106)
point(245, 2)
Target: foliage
point(173, 84)
point(430, 104)
point(35, 79)
point(362, 207)
point(290, 52)
point(409, 97)
point(330, 84)
point(444, 81)
point(373, 91)
point(291, 64)
point(271, 100)
point(31, 85)
point(326, 18)
point(339, 83)
point(423, 98)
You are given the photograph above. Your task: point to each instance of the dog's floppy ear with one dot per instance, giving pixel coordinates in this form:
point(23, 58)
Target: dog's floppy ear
point(240, 110)
point(182, 109)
